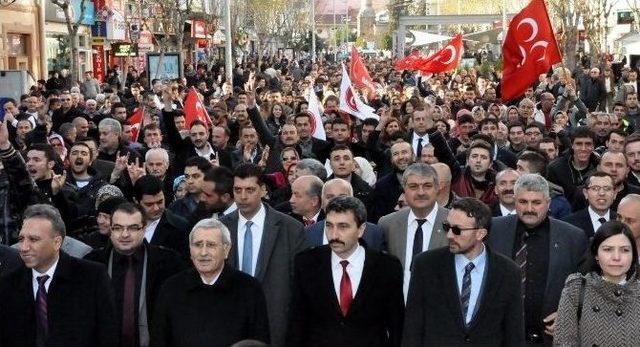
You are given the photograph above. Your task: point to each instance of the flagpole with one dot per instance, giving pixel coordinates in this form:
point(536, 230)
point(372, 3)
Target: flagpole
point(313, 31)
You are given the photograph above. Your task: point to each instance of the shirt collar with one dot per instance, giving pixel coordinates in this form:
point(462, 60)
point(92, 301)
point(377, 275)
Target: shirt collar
point(230, 209)
point(595, 216)
point(206, 152)
point(354, 259)
point(431, 217)
point(505, 211)
point(258, 219)
point(49, 272)
point(462, 261)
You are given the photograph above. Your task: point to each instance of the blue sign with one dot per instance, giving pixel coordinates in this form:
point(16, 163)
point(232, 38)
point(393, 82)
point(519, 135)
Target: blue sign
point(89, 15)
point(99, 29)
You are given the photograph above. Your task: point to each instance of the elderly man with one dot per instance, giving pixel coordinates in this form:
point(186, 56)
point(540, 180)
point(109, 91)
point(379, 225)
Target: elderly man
point(232, 302)
point(54, 299)
point(157, 164)
point(306, 201)
point(137, 270)
point(505, 181)
point(615, 165)
point(546, 250)
point(629, 214)
point(446, 197)
point(315, 235)
point(111, 145)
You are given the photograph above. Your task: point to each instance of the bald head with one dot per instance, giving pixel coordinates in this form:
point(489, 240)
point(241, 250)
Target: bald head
point(306, 195)
point(629, 214)
point(444, 173)
point(333, 188)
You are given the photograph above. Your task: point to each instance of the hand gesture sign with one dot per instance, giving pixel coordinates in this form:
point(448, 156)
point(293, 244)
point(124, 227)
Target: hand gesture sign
point(265, 156)
point(57, 182)
point(4, 135)
point(135, 171)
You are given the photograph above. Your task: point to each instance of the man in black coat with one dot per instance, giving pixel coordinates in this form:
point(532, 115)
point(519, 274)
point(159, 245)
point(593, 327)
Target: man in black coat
point(464, 294)
point(213, 304)
point(343, 166)
point(344, 295)
point(150, 267)
point(54, 300)
point(599, 191)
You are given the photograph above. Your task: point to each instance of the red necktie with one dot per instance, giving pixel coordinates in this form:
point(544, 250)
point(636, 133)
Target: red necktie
point(308, 221)
point(128, 305)
point(346, 295)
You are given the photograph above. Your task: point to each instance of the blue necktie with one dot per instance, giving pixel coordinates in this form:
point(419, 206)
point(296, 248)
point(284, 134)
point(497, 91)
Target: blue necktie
point(247, 249)
point(465, 293)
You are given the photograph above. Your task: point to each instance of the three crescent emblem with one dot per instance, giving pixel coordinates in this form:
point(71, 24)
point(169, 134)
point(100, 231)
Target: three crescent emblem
point(534, 34)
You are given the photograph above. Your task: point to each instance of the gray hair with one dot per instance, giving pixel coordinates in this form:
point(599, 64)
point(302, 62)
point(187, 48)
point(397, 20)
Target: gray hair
point(420, 169)
point(338, 181)
point(111, 125)
point(504, 172)
point(163, 152)
point(532, 183)
point(629, 198)
point(315, 186)
point(212, 223)
point(314, 167)
point(49, 213)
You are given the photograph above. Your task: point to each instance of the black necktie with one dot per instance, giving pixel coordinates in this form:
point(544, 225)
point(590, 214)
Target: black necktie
point(417, 241)
point(602, 220)
point(128, 305)
point(419, 149)
point(42, 303)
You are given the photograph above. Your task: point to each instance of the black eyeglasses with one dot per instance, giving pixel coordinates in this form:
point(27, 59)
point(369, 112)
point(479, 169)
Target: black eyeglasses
point(456, 230)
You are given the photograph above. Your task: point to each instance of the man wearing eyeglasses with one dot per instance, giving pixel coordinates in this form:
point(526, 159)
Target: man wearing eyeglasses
point(547, 250)
point(137, 270)
point(599, 192)
point(418, 228)
point(66, 113)
point(466, 293)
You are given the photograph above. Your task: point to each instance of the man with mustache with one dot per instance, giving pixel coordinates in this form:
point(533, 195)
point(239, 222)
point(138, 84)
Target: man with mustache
point(615, 165)
point(599, 191)
point(632, 153)
point(418, 228)
point(505, 181)
point(466, 293)
point(546, 250)
point(216, 197)
point(345, 294)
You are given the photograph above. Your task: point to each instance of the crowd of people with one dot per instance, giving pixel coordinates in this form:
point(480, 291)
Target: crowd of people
point(451, 218)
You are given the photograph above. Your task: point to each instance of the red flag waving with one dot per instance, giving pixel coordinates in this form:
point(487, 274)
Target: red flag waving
point(406, 62)
point(359, 74)
point(529, 49)
point(444, 60)
point(136, 123)
point(193, 109)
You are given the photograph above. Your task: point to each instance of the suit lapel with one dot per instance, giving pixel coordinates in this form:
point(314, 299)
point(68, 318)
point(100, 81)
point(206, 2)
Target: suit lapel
point(326, 273)
point(232, 260)
point(556, 248)
point(438, 236)
point(269, 237)
point(452, 292)
point(317, 234)
point(399, 234)
point(488, 289)
point(366, 281)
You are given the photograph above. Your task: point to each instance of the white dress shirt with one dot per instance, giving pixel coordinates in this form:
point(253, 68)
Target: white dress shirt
point(150, 230)
point(427, 230)
point(206, 152)
point(213, 281)
point(354, 270)
point(257, 230)
point(35, 274)
point(594, 218)
point(505, 211)
point(414, 143)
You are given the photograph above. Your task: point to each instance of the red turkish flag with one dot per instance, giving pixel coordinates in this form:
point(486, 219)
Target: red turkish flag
point(136, 123)
point(194, 109)
point(529, 50)
point(444, 60)
point(359, 74)
point(406, 63)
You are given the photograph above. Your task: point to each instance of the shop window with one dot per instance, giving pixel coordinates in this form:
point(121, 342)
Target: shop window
point(17, 44)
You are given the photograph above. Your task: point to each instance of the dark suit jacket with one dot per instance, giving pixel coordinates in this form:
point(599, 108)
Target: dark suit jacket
point(567, 245)
point(373, 237)
point(9, 259)
point(171, 232)
point(282, 239)
point(162, 263)
point(374, 317)
point(384, 197)
point(434, 317)
point(192, 314)
point(80, 307)
point(582, 220)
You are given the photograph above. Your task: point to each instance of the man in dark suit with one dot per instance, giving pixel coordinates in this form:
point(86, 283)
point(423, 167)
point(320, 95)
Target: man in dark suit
point(137, 271)
point(211, 304)
point(249, 150)
point(599, 192)
point(54, 300)
point(310, 146)
point(343, 166)
point(164, 228)
point(306, 200)
point(505, 180)
point(9, 259)
point(343, 294)
point(413, 230)
point(264, 244)
point(464, 294)
point(388, 188)
point(372, 237)
point(547, 250)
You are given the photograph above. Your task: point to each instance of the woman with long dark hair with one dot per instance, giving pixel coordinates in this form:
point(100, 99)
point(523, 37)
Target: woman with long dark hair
point(601, 308)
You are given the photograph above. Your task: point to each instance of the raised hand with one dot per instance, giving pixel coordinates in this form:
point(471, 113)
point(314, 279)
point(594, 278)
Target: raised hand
point(57, 182)
point(135, 171)
point(4, 135)
point(246, 153)
point(120, 165)
point(249, 87)
point(265, 156)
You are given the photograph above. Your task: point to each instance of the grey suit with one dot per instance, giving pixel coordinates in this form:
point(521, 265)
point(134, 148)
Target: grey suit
point(394, 227)
point(567, 245)
point(282, 239)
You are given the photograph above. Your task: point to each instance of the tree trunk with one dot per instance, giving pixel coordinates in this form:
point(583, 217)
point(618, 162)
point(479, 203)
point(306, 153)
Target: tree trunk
point(73, 39)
